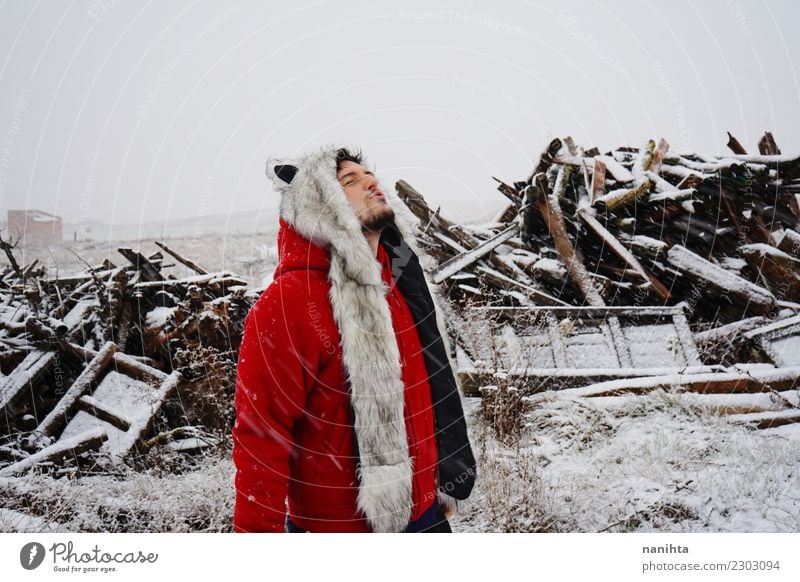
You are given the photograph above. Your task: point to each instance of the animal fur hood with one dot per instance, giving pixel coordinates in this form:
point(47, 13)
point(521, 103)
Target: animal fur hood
point(314, 204)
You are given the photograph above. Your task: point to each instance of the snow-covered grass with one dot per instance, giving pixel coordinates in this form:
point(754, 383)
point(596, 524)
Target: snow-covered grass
point(653, 464)
point(198, 500)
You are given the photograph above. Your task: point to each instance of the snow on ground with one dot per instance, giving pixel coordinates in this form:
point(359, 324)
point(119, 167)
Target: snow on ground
point(651, 464)
point(154, 501)
point(250, 256)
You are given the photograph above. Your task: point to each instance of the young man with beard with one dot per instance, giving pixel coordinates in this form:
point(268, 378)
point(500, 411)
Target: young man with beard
point(346, 401)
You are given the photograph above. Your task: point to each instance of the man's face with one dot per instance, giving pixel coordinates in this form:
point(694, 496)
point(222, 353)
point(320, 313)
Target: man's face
point(365, 196)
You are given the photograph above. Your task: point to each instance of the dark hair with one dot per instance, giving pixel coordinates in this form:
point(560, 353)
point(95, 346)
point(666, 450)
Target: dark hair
point(345, 155)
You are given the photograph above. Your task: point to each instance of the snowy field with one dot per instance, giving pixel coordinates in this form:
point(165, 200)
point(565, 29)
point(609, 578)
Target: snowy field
point(251, 256)
point(647, 463)
point(650, 465)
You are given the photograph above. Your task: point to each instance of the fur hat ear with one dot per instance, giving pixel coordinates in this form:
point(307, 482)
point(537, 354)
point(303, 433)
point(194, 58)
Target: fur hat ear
point(286, 172)
point(280, 172)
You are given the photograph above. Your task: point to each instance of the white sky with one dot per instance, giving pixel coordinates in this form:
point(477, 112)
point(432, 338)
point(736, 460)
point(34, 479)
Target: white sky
point(128, 111)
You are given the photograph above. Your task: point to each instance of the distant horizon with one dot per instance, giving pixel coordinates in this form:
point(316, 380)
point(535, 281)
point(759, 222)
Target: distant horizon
point(458, 215)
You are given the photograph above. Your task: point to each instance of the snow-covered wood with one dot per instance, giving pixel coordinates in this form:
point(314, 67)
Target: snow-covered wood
point(141, 424)
point(23, 378)
point(718, 382)
point(104, 412)
point(721, 280)
point(60, 415)
point(624, 253)
point(459, 262)
point(71, 447)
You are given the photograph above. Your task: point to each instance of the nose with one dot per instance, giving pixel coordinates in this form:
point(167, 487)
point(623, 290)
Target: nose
point(370, 182)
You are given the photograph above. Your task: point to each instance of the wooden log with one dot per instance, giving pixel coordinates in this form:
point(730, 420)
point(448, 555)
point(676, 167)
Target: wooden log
point(462, 261)
point(509, 192)
point(767, 419)
point(622, 197)
point(781, 270)
point(569, 256)
point(546, 160)
point(654, 164)
point(538, 188)
point(55, 421)
point(454, 236)
point(24, 377)
point(598, 188)
point(222, 278)
point(690, 182)
point(767, 145)
point(139, 367)
point(86, 441)
point(618, 249)
point(141, 425)
point(729, 331)
point(752, 381)
point(416, 203)
point(191, 264)
point(103, 412)
point(735, 146)
point(739, 291)
point(788, 241)
point(537, 296)
point(564, 380)
point(139, 261)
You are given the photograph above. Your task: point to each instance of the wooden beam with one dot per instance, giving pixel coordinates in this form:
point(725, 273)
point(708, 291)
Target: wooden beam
point(598, 188)
point(767, 145)
point(569, 256)
point(752, 381)
point(59, 416)
point(103, 412)
point(86, 441)
point(138, 260)
point(618, 249)
point(24, 376)
point(502, 281)
point(462, 261)
point(191, 264)
point(721, 282)
point(143, 423)
point(735, 146)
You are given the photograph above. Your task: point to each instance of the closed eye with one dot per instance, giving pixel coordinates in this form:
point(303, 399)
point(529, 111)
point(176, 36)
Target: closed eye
point(351, 179)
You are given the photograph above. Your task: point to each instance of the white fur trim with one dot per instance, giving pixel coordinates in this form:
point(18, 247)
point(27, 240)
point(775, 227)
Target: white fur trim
point(447, 501)
point(384, 494)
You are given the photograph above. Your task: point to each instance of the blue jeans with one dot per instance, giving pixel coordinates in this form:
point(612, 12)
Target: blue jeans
point(432, 521)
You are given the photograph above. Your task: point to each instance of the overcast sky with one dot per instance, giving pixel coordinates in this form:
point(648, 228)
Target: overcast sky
point(128, 111)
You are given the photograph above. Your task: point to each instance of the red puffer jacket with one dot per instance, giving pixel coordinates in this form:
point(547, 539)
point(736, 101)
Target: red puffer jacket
point(293, 432)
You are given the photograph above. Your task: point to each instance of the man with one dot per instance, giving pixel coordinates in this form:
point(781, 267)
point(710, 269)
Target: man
point(345, 397)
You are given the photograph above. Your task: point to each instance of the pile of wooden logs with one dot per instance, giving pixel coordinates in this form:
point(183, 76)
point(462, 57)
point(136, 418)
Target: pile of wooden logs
point(632, 227)
point(88, 362)
point(627, 272)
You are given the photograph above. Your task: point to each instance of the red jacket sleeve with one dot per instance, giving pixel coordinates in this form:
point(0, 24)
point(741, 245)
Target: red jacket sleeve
point(277, 365)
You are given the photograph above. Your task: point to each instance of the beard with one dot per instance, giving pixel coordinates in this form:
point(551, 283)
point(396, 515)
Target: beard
point(377, 218)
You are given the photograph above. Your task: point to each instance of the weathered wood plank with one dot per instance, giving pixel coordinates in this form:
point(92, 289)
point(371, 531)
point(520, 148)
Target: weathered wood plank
point(89, 440)
point(59, 416)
